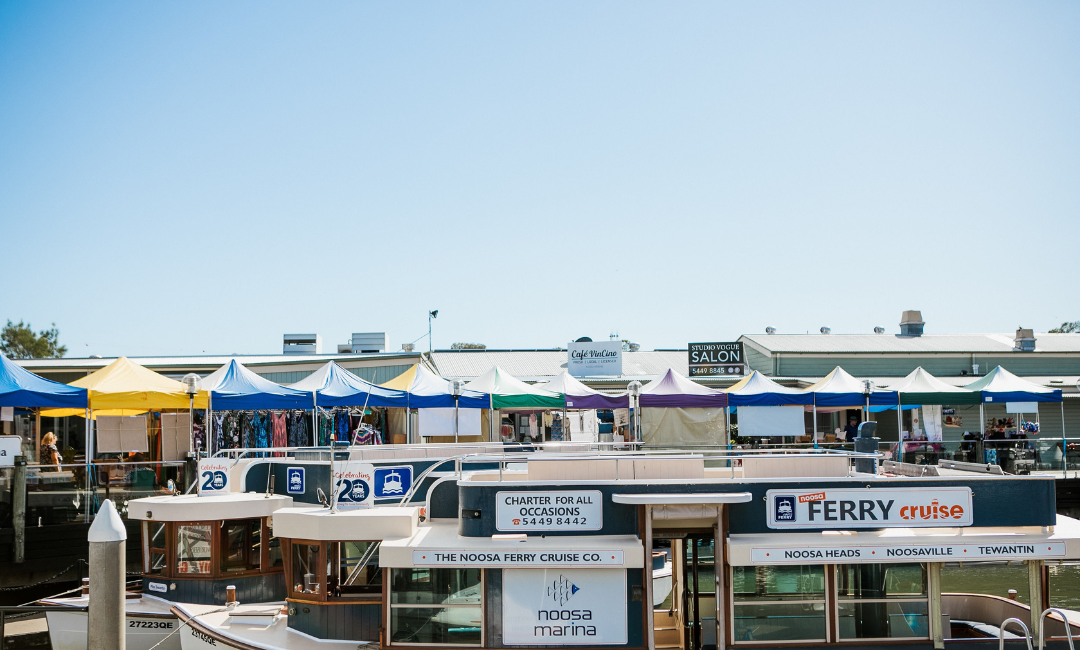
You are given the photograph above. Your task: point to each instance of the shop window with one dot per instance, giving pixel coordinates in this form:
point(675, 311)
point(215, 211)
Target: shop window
point(306, 579)
point(193, 550)
point(154, 537)
point(436, 606)
point(241, 545)
point(354, 569)
point(882, 601)
point(779, 603)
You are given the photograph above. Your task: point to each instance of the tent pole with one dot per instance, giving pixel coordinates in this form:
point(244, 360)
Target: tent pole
point(89, 454)
point(813, 425)
point(315, 424)
point(491, 418)
point(1064, 444)
point(455, 419)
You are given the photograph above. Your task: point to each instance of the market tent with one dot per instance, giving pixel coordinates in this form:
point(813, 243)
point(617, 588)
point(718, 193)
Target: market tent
point(425, 389)
point(509, 392)
point(1000, 385)
point(840, 389)
point(920, 387)
point(234, 387)
point(580, 396)
point(672, 390)
point(125, 388)
point(20, 387)
point(336, 386)
point(758, 390)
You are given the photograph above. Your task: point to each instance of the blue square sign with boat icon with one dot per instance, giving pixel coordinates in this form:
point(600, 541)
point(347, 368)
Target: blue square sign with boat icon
point(392, 481)
point(295, 478)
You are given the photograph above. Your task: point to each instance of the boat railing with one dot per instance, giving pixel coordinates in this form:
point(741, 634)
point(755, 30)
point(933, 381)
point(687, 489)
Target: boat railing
point(1042, 628)
point(1001, 632)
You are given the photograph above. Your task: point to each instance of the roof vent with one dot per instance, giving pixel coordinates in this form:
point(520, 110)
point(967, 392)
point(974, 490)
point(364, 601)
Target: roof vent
point(1024, 341)
point(911, 323)
point(826, 330)
point(406, 347)
point(770, 330)
point(879, 330)
point(301, 344)
point(634, 347)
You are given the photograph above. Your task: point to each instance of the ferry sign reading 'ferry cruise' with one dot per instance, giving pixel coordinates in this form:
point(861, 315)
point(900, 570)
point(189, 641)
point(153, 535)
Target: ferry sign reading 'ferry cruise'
point(562, 510)
point(862, 508)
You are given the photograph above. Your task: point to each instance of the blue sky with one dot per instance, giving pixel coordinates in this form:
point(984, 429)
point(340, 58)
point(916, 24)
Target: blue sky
point(180, 178)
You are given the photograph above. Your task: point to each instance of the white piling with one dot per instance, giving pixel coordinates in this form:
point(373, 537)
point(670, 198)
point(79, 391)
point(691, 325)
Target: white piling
point(108, 553)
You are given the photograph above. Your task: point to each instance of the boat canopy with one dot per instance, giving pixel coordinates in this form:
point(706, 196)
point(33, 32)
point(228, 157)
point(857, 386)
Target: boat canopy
point(337, 386)
point(672, 390)
point(580, 396)
point(758, 390)
point(425, 389)
point(1000, 385)
point(839, 389)
point(125, 388)
point(20, 387)
point(509, 392)
point(234, 387)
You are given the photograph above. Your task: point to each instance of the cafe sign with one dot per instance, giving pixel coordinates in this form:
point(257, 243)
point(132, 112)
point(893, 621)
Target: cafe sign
point(594, 358)
point(846, 509)
point(717, 359)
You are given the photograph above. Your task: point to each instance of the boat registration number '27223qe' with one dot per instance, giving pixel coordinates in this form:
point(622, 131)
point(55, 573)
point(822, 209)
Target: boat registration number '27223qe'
point(868, 508)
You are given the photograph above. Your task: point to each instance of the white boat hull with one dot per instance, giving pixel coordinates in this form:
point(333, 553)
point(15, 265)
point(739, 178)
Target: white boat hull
point(67, 631)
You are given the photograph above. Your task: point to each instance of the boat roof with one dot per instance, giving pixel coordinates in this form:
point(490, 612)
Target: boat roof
point(192, 507)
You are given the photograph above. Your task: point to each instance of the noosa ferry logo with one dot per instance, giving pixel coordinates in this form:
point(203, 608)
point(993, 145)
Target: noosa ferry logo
point(934, 510)
point(870, 508)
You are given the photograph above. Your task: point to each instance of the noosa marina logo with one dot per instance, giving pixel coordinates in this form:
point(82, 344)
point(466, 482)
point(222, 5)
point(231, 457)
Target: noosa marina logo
point(567, 622)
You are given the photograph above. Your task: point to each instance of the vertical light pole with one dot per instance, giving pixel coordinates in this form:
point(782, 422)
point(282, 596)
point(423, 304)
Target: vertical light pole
point(455, 387)
point(431, 315)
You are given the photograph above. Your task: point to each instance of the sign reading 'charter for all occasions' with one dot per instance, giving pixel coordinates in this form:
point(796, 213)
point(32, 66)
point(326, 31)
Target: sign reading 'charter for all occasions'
point(862, 508)
point(495, 559)
point(564, 606)
point(716, 359)
point(593, 358)
point(907, 553)
point(564, 510)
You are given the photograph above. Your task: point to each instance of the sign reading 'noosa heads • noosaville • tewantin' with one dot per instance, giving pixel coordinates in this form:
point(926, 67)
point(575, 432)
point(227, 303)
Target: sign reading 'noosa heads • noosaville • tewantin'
point(564, 606)
point(884, 508)
point(716, 359)
point(563, 510)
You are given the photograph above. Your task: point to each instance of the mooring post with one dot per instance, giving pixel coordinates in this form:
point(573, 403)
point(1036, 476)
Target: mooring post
point(108, 552)
point(18, 509)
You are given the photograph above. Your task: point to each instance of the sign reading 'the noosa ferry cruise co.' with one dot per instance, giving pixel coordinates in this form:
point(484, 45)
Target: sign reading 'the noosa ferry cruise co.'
point(941, 507)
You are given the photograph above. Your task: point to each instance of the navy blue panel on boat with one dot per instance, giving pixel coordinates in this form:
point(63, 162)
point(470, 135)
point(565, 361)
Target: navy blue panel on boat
point(234, 387)
point(635, 624)
point(443, 502)
point(343, 621)
point(263, 588)
point(619, 518)
point(20, 387)
point(317, 475)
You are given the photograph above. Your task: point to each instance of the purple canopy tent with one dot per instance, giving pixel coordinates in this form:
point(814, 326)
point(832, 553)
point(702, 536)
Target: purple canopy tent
point(672, 390)
point(580, 396)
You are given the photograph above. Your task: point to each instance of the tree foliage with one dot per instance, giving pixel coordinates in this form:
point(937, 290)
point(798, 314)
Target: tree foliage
point(468, 346)
point(18, 341)
point(1067, 328)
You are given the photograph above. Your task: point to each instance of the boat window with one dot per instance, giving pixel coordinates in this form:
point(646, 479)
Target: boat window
point(882, 601)
point(305, 569)
point(436, 606)
point(241, 545)
point(355, 569)
point(193, 549)
point(779, 603)
point(273, 544)
point(155, 536)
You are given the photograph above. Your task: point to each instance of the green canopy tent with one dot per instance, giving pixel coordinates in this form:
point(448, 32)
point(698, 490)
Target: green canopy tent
point(921, 388)
point(508, 392)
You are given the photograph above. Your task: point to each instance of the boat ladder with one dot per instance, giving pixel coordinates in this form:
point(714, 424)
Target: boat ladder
point(1064, 619)
point(1001, 632)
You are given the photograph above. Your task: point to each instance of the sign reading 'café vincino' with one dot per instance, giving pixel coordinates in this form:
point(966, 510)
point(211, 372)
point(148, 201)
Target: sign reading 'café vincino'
point(594, 358)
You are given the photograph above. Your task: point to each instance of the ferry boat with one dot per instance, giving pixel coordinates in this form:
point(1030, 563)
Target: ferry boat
point(566, 546)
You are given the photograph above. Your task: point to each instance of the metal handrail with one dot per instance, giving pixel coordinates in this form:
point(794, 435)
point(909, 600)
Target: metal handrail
point(1042, 628)
point(1001, 632)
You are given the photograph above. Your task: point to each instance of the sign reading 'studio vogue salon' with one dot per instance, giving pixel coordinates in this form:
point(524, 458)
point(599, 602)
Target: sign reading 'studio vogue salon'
point(594, 358)
point(564, 607)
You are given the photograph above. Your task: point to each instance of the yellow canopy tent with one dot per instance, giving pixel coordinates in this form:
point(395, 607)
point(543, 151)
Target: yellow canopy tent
point(402, 382)
point(125, 388)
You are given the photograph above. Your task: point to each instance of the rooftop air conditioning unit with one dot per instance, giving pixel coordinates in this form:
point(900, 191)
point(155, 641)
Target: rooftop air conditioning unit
point(826, 330)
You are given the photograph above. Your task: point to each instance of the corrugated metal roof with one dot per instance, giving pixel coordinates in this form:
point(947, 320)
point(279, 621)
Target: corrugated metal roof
point(214, 361)
point(927, 343)
point(530, 365)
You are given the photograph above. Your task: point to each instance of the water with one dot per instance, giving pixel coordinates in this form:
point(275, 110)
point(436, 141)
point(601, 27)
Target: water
point(998, 579)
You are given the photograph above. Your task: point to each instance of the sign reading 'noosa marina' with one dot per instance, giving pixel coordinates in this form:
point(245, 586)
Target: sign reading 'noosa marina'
point(862, 508)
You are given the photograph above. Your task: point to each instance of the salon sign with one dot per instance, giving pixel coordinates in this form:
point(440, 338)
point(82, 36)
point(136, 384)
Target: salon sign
point(845, 509)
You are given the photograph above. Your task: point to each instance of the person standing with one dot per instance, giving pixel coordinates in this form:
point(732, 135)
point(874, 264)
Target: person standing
point(851, 431)
point(48, 454)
